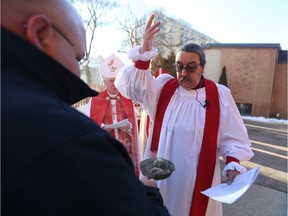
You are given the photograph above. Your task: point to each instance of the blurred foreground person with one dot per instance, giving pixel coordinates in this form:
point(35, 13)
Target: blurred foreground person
point(55, 160)
point(194, 121)
point(115, 113)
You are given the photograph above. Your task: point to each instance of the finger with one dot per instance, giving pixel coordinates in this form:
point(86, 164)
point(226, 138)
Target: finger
point(230, 179)
point(152, 28)
point(151, 34)
point(231, 174)
point(147, 181)
point(149, 22)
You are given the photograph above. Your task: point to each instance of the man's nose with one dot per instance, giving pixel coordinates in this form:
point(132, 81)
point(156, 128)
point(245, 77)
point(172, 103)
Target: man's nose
point(184, 73)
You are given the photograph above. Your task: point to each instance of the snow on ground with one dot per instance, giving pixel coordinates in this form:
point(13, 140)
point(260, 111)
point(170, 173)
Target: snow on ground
point(262, 119)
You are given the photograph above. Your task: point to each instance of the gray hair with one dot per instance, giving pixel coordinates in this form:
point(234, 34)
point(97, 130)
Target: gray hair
point(192, 47)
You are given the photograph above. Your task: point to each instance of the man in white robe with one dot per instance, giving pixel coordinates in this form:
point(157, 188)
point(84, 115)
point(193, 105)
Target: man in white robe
point(180, 135)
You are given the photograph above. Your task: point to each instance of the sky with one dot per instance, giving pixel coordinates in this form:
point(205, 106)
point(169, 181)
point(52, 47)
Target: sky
point(227, 21)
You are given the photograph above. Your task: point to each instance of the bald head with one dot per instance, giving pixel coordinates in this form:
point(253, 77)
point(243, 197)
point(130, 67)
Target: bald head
point(48, 25)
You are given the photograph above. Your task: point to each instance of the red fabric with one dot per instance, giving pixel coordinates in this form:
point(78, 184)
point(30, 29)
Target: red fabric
point(98, 108)
point(165, 96)
point(143, 65)
point(101, 112)
point(201, 84)
point(231, 159)
point(100, 103)
point(206, 168)
point(205, 171)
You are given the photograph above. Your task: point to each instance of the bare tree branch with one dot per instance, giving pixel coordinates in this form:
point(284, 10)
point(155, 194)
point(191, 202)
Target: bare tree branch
point(95, 13)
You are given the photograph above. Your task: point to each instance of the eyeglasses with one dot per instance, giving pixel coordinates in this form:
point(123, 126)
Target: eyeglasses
point(188, 68)
point(58, 31)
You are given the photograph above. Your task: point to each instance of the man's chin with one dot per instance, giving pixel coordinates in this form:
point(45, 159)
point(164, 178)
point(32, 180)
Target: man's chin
point(185, 83)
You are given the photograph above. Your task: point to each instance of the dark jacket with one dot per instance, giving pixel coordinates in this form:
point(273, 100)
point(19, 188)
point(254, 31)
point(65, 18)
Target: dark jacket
point(56, 161)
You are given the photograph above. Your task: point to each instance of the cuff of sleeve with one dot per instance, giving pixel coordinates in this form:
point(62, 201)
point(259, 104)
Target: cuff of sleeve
point(153, 193)
point(134, 54)
point(233, 166)
point(231, 159)
point(156, 200)
point(143, 65)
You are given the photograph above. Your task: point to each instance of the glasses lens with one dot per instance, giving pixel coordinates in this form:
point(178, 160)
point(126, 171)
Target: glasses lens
point(190, 69)
point(179, 68)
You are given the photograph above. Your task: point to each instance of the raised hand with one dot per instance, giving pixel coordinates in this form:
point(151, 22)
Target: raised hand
point(149, 33)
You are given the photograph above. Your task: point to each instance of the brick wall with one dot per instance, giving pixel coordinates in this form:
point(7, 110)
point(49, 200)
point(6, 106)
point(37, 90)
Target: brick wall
point(279, 97)
point(254, 77)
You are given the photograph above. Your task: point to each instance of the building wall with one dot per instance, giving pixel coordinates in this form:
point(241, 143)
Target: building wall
point(254, 77)
point(279, 97)
point(251, 75)
point(176, 33)
point(213, 67)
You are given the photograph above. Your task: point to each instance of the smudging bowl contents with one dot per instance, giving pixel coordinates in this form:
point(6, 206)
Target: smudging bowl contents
point(157, 168)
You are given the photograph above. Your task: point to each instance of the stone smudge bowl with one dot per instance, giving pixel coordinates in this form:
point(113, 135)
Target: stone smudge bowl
point(156, 168)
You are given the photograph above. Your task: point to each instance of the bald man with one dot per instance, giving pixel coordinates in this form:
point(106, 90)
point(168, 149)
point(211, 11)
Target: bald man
point(55, 160)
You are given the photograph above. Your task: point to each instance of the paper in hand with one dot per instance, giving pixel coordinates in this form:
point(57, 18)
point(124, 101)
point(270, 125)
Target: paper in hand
point(117, 124)
point(230, 193)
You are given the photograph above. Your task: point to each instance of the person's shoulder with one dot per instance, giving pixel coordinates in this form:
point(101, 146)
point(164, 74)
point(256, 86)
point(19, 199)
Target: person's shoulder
point(165, 76)
point(225, 95)
point(162, 79)
point(100, 97)
point(222, 88)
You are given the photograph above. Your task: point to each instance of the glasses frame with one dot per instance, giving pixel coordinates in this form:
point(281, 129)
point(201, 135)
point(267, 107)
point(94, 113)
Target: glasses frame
point(187, 68)
point(58, 31)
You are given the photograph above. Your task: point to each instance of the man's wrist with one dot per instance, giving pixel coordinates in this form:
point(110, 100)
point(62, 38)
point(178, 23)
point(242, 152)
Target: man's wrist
point(142, 65)
point(231, 159)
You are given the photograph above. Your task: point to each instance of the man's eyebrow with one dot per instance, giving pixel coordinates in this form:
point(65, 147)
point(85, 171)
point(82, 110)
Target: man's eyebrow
point(194, 62)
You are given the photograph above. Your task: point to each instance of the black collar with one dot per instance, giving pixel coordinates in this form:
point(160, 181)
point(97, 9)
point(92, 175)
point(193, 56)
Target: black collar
point(19, 55)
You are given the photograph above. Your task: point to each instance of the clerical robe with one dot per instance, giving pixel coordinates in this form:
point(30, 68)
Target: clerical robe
point(105, 110)
point(182, 133)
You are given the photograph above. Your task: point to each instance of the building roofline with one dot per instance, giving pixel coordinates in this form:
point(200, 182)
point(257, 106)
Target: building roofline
point(242, 45)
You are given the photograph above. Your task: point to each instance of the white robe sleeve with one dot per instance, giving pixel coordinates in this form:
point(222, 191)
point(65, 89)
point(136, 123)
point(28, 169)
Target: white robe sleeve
point(233, 138)
point(139, 85)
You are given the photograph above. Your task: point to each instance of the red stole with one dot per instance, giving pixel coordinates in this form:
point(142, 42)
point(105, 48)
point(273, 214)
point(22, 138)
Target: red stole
point(207, 159)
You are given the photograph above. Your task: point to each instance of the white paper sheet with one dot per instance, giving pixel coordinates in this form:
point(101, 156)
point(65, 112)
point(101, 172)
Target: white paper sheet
point(116, 125)
point(230, 193)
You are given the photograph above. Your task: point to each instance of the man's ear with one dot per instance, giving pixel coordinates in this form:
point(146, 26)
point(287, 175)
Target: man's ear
point(39, 29)
point(203, 67)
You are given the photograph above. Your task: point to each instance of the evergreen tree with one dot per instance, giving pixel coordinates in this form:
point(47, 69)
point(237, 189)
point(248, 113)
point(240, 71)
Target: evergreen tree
point(170, 64)
point(223, 77)
point(166, 63)
point(157, 63)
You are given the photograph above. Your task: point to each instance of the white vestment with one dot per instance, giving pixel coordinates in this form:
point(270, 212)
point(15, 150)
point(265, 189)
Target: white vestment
point(182, 132)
